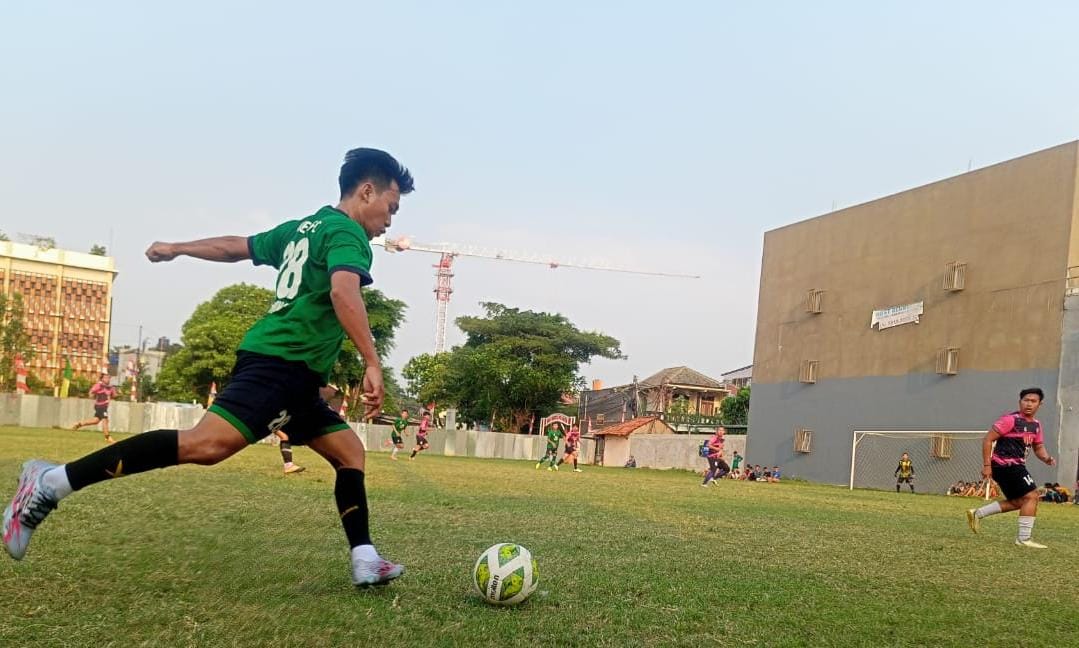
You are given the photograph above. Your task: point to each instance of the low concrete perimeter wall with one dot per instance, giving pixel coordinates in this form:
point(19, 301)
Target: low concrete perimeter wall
point(48, 411)
point(679, 450)
point(650, 450)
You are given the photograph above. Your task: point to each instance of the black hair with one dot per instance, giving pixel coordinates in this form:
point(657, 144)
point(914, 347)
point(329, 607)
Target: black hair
point(374, 165)
point(1032, 390)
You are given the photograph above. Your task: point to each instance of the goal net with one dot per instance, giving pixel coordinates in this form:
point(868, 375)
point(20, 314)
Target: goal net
point(940, 459)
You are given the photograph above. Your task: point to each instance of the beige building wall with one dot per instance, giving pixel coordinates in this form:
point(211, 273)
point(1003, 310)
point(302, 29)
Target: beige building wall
point(68, 305)
point(1011, 223)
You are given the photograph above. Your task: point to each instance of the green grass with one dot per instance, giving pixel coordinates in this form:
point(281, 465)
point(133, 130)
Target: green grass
point(238, 555)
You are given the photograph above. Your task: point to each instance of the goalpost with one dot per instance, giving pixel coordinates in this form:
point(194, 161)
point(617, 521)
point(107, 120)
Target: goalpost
point(940, 458)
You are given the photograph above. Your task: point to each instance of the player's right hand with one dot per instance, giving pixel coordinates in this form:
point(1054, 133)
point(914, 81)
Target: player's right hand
point(373, 392)
point(159, 251)
point(987, 472)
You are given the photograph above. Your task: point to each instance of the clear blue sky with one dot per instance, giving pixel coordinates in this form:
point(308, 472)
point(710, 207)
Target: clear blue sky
point(664, 136)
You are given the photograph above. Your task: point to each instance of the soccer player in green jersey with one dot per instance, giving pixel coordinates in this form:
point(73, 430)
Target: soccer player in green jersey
point(322, 260)
point(400, 424)
point(554, 434)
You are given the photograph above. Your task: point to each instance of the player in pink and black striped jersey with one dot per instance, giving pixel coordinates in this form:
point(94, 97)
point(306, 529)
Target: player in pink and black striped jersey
point(1013, 434)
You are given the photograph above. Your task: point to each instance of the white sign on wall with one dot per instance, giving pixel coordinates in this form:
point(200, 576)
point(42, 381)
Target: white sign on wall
point(896, 315)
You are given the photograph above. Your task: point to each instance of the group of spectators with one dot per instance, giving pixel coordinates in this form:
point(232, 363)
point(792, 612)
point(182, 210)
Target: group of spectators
point(753, 472)
point(1055, 493)
point(972, 489)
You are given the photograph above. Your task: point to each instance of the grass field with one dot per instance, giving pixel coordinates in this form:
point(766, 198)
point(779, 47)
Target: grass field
point(237, 554)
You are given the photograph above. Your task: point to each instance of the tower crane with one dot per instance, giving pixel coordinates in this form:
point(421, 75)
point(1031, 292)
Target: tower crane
point(448, 252)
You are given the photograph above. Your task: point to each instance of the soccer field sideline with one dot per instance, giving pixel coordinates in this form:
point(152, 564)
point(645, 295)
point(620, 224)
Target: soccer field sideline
point(239, 554)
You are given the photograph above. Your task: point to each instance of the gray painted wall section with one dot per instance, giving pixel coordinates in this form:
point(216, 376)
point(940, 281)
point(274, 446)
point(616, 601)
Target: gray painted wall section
point(833, 409)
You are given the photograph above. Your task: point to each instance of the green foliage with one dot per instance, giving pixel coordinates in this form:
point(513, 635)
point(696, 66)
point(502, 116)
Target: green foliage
point(97, 250)
point(426, 377)
point(735, 409)
point(4, 237)
point(13, 338)
point(80, 387)
point(210, 338)
point(216, 328)
point(514, 364)
point(679, 405)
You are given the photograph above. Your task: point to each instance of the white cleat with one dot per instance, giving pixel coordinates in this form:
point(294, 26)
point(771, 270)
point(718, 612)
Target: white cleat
point(32, 502)
point(1031, 544)
point(366, 573)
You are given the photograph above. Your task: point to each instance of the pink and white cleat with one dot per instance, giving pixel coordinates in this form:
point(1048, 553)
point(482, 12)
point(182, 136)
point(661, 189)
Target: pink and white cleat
point(32, 502)
point(366, 573)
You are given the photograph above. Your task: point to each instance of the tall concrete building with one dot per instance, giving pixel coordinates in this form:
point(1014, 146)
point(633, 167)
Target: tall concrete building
point(67, 298)
point(925, 310)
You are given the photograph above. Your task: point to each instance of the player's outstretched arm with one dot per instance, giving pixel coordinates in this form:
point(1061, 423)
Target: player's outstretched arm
point(226, 249)
point(351, 312)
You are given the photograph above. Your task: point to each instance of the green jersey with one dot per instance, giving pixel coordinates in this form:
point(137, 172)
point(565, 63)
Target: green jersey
point(736, 462)
point(301, 324)
point(399, 425)
point(553, 436)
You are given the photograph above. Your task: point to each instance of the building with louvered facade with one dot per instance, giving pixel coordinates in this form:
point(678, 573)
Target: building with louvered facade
point(67, 302)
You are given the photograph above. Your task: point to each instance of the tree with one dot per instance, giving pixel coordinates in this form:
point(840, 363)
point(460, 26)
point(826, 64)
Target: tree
point(13, 338)
point(216, 328)
point(735, 409)
point(97, 250)
point(210, 338)
point(4, 237)
point(42, 242)
point(515, 364)
point(425, 377)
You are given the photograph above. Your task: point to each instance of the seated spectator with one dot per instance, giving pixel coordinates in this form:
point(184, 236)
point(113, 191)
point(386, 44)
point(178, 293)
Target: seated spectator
point(956, 488)
point(775, 474)
point(631, 462)
point(1064, 492)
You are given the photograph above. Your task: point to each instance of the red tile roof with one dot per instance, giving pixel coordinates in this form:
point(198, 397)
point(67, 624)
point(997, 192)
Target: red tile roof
point(626, 428)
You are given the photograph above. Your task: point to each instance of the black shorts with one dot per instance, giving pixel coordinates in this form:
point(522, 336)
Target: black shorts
point(904, 480)
point(267, 394)
point(396, 439)
point(421, 442)
point(1014, 481)
point(101, 411)
point(570, 450)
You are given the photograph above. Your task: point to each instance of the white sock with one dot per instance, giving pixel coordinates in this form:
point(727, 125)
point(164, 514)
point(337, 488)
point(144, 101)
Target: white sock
point(1026, 526)
point(989, 509)
point(364, 552)
point(56, 479)
point(394, 453)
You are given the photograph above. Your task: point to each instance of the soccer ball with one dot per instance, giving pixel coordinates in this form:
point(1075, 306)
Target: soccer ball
point(505, 574)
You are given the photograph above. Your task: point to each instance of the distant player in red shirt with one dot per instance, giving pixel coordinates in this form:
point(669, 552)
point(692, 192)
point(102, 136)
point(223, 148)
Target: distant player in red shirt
point(421, 435)
point(102, 393)
point(1005, 462)
point(573, 442)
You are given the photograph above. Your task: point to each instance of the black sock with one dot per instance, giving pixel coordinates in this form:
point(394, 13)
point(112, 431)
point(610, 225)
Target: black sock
point(352, 506)
point(286, 452)
point(413, 453)
point(142, 452)
point(561, 461)
point(575, 464)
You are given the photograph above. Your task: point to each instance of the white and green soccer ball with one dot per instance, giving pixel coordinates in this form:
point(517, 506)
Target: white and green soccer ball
point(505, 574)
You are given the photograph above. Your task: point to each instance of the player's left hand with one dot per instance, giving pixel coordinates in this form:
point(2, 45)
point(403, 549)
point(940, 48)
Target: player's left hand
point(1052, 461)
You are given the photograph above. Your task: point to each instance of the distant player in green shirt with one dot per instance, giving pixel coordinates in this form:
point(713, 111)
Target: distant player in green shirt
point(400, 424)
point(322, 260)
point(554, 434)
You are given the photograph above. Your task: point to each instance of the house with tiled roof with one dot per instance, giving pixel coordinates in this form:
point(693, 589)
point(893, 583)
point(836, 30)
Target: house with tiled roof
point(685, 398)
